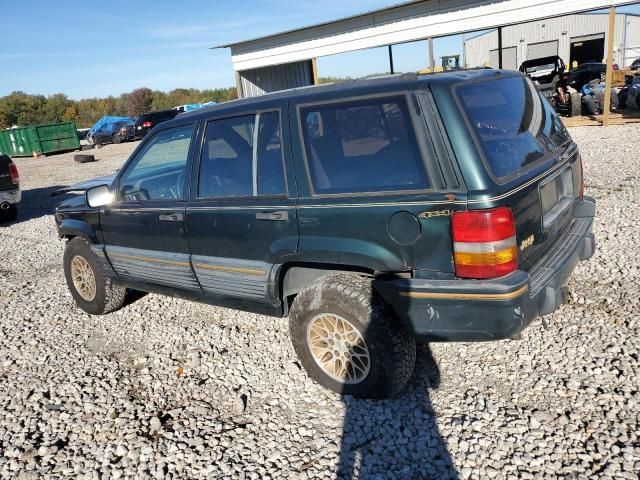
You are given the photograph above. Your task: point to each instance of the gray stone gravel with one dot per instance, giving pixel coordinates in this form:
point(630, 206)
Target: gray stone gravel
point(166, 388)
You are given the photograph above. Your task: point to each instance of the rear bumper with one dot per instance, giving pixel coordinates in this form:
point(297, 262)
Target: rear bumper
point(477, 310)
point(10, 196)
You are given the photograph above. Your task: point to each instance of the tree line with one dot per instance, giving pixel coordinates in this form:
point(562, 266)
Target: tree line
point(22, 109)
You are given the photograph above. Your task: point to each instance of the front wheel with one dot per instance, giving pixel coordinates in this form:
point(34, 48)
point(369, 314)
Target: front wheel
point(348, 339)
point(91, 289)
point(116, 138)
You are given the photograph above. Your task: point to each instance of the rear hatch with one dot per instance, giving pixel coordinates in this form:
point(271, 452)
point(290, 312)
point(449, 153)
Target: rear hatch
point(532, 165)
point(6, 183)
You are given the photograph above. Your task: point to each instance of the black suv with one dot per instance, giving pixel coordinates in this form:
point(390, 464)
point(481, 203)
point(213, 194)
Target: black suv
point(116, 132)
point(145, 122)
point(374, 213)
point(10, 194)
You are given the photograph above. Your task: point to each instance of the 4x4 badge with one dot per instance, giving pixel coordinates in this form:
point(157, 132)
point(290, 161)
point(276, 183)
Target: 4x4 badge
point(527, 242)
point(435, 213)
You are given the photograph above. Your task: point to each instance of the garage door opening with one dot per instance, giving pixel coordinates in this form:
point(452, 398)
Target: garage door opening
point(542, 49)
point(587, 49)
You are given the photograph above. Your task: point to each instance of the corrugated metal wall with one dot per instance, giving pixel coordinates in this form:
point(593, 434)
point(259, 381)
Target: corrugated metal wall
point(563, 29)
point(271, 79)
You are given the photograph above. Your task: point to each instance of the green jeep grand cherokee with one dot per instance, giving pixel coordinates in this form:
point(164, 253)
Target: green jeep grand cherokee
point(374, 214)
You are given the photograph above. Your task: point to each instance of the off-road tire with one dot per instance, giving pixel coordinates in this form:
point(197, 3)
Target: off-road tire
point(109, 296)
point(590, 105)
point(10, 214)
point(575, 100)
point(84, 158)
point(392, 350)
point(89, 146)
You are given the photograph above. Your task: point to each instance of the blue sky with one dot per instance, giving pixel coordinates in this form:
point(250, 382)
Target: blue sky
point(86, 49)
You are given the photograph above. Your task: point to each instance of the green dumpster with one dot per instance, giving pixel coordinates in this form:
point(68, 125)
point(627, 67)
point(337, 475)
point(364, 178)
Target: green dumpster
point(46, 138)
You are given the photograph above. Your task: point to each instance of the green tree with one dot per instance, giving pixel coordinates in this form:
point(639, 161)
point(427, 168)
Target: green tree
point(139, 101)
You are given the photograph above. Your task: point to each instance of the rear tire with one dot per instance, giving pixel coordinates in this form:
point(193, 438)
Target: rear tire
point(93, 291)
point(348, 339)
point(590, 105)
point(10, 214)
point(576, 104)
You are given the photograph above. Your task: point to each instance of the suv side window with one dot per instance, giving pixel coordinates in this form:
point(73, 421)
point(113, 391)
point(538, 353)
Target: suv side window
point(362, 146)
point(158, 171)
point(242, 157)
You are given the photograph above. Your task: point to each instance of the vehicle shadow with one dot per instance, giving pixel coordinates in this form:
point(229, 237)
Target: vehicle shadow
point(36, 203)
point(399, 437)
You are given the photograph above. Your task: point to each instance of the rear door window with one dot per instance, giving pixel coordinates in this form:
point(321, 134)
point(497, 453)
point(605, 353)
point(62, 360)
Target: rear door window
point(242, 157)
point(364, 145)
point(514, 125)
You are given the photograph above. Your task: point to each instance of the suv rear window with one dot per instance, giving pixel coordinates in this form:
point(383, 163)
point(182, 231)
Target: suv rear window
point(514, 124)
point(362, 146)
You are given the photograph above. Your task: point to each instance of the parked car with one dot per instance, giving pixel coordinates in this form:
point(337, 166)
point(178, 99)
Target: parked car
point(550, 79)
point(147, 121)
point(9, 189)
point(375, 214)
point(116, 132)
point(82, 133)
point(583, 74)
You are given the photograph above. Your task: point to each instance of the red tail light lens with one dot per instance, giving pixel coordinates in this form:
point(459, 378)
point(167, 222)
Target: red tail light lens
point(15, 176)
point(484, 243)
point(147, 124)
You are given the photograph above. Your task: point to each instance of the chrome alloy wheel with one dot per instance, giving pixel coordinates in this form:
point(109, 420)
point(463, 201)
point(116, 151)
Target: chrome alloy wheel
point(84, 280)
point(338, 348)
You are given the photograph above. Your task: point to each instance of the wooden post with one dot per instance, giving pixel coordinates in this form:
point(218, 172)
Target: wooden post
point(314, 71)
point(432, 62)
point(609, 77)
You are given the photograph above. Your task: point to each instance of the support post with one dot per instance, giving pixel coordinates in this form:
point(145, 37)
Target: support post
point(500, 48)
point(391, 61)
point(609, 77)
point(239, 85)
point(314, 71)
point(432, 62)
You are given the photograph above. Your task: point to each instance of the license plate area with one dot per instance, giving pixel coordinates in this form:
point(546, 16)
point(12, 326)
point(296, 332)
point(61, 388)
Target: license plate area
point(556, 196)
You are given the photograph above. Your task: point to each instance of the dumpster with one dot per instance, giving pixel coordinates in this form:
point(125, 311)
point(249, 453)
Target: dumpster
point(40, 139)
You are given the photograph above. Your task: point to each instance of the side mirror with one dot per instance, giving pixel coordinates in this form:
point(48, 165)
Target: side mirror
point(99, 196)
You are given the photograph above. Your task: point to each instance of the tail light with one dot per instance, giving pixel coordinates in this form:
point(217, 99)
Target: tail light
point(484, 243)
point(147, 124)
point(581, 180)
point(15, 176)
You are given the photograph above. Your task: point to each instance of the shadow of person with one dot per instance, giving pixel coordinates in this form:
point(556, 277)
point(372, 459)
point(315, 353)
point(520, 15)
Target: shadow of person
point(397, 438)
point(392, 437)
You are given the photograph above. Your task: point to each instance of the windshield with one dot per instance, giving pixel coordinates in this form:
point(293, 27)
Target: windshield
point(514, 124)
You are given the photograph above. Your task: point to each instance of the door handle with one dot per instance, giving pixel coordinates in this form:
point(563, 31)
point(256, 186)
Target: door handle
point(279, 216)
point(171, 217)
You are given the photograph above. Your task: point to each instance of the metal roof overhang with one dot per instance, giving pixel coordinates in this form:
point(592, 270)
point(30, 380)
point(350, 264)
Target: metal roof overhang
point(398, 24)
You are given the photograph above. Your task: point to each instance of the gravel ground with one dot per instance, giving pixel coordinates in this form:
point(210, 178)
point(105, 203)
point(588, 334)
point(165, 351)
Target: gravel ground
point(166, 388)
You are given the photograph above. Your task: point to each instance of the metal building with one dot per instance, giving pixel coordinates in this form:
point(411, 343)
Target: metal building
point(287, 59)
point(578, 38)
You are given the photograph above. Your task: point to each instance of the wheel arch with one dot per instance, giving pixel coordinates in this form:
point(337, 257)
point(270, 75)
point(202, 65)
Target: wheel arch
point(70, 228)
point(293, 277)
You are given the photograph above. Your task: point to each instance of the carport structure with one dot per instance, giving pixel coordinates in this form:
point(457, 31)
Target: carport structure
point(288, 59)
